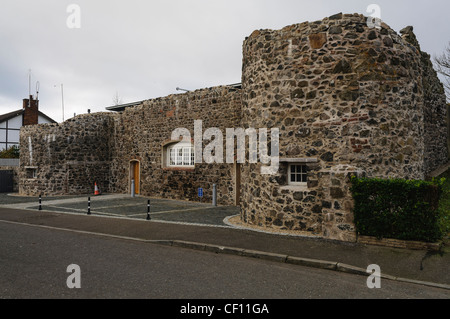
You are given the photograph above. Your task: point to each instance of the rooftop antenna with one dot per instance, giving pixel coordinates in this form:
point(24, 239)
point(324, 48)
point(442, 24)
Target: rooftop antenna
point(29, 87)
point(37, 90)
point(29, 82)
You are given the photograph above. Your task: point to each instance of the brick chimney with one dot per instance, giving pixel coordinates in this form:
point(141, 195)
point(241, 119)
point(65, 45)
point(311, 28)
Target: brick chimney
point(30, 114)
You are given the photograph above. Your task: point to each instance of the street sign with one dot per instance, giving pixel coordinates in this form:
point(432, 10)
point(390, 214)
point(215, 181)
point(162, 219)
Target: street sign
point(200, 192)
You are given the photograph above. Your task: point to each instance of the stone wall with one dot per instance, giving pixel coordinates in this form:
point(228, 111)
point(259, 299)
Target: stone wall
point(66, 158)
point(142, 131)
point(434, 110)
point(70, 157)
point(348, 99)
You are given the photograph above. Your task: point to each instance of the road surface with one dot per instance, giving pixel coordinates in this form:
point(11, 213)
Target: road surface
point(34, 264)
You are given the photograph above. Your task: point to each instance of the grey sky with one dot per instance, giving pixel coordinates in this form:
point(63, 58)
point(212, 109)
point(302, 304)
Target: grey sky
point(145, 49)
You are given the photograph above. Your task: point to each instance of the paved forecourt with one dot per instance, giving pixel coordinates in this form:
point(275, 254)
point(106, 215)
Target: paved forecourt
point(122, 205)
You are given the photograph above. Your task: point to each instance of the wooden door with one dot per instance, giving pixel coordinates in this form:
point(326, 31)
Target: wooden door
point(135, 174)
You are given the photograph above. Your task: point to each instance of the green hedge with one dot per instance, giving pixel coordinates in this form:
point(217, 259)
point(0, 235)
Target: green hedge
point(12, 152)
point(397, 208)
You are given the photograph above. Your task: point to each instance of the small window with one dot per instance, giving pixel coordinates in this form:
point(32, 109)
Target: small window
point(31, 172)
point(180, 155)
point(298, 174)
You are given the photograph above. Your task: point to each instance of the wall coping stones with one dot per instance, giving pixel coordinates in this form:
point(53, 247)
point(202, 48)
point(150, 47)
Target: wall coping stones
point(398, 243)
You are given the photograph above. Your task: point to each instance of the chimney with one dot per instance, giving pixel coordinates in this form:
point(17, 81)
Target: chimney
point(30, 114)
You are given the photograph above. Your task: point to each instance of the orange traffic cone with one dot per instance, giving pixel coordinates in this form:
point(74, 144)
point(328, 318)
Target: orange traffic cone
point(96, 191)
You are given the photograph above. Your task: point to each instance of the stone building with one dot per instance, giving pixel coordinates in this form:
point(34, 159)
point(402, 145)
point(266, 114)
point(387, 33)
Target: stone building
point(345, 98)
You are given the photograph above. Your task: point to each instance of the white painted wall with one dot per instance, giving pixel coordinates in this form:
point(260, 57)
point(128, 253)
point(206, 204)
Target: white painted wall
point(43, 120)
point(15, 122)
point(13, 125)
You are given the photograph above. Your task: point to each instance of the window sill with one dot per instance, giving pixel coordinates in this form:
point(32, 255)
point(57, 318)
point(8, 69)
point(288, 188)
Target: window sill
point(179, 168)
point(294, 188)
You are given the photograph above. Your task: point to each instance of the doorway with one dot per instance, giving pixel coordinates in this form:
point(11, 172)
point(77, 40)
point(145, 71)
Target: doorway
point(6, 181)
point(135, 173)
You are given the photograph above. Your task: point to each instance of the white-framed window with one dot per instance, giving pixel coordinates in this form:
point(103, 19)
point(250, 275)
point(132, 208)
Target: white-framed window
point(297, 174)
point(31, 172)
point(180, 155)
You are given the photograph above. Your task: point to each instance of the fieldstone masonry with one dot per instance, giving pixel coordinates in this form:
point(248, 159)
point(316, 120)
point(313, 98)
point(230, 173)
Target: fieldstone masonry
point(142, 132)
point(359, 100)
point(347, 99)
point(98, 148)
point(67, 158)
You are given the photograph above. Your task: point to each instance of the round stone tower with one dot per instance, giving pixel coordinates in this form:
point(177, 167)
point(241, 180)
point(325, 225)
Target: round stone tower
point(347, 99)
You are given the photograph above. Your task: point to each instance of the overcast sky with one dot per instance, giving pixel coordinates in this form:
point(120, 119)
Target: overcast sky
point(145, 49)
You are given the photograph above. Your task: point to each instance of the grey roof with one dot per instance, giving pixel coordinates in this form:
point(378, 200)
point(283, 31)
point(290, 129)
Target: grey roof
point(121, 107)
point(10, 115)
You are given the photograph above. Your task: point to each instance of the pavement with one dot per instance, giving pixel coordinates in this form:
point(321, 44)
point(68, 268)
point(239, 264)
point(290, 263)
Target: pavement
point(204, 227)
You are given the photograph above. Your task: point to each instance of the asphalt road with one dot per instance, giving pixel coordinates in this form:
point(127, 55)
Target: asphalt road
point(34, 261)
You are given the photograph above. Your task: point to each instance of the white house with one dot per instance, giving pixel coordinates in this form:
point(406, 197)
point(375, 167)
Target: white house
point(10, 123)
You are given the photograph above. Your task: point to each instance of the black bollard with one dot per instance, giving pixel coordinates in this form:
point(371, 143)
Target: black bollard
point(89, 206)
point(40, 201)
point(148, 210)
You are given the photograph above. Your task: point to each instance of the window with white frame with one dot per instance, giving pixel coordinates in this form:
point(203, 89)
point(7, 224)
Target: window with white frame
point(31, 172)
point(298, 174)
point(180, 155)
